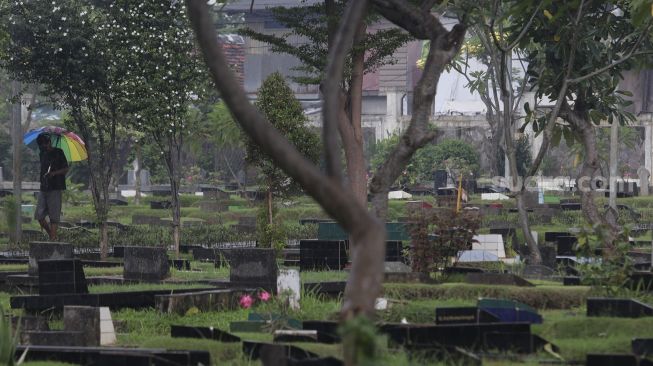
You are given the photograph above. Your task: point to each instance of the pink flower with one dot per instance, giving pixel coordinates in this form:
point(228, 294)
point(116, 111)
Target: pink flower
point(246, 302)
point(264, 296)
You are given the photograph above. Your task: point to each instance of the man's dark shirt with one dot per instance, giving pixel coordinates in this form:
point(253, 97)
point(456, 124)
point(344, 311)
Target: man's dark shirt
point(51, 161)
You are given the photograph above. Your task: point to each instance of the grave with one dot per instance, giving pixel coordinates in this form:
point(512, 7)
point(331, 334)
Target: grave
point(552, 236)
point(289, 285)
point(570, 206)
point(181, 331)
point(463, 315)
point(215, 193)
point(274, 354)
point(254, 267)
point(295, 336)
point(146, 220)
point(492, 243)
point(118, 202)
point(179, 264)
point(146, 264)
point(516, 342)
point(81, 329)
point(623, 308)
point(213, 206)
point(127, 299)
point(39, 251)
point(548, 254)
point(571, 281)
point(509, 311)
point(107, 331)
point(213, 300)
point(327, 331)
point(322, 255)
point(115, 356)
point(496, 279)
point(160, 205)
point(330, 289)
point(61, 276)
point(402, 273)
point(565, 245)
point(642, 281)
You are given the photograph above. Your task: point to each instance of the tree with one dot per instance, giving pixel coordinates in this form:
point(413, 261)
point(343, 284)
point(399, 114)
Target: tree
point(278, 104)
point(167, 77)
point(582, 77)
point(318, 24)
point(364, 283)
point(64, 47)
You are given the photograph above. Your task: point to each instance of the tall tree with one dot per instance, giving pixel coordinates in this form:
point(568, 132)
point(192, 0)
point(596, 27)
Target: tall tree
point(159, 54)
point(63, 47)
point(580, 49)
point(278, 104)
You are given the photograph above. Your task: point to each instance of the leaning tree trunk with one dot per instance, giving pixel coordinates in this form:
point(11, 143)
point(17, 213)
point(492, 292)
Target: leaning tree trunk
point(172, 163)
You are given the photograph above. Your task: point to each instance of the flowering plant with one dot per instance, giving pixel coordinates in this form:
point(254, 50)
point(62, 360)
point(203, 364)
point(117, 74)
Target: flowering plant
point(246, 301)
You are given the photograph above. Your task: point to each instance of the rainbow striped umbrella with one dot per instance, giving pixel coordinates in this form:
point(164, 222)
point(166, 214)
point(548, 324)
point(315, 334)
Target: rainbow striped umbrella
point(73, 146)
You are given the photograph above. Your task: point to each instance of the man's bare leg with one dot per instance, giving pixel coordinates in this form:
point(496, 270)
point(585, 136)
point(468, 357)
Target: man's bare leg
point(53, 231)
point(45, 226)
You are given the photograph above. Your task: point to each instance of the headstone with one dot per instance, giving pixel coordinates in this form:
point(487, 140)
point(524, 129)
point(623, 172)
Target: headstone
point(570, 206)
point(496, 279)
point(548, 254)
point(107, 331)
point(146, 264)
point(552, 236)
point(39, 251)
point(61, 276)
point(565, 245)
point(85, 319)
point(394, 251)
point(571, 281)
point(254, 267)
point(509, 311)
point(160, 205)
point(492, 243)
point(181, 303)
point(623, 308)
point(463, 315)
point(396, 267)
point(118, 202)
point(322, 255)
point(288, 285)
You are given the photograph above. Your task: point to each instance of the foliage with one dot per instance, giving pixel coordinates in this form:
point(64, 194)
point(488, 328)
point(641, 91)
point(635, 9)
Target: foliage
point(362, 332)
point(627, 138)
point(610, 270)
point(437, 236)
point(279, 105)
point(522, 154)
point(454, 155)
point(311, 22)
point(270, 235)
point(8, 341)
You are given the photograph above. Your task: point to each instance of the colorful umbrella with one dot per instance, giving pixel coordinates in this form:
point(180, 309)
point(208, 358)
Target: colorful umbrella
point(73, 146)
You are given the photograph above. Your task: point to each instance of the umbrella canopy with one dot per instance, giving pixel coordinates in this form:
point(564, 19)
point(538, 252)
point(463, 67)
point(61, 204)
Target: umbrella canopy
point(73, 146)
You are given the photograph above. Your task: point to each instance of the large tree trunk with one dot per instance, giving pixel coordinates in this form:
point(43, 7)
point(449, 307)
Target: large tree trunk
point(172, 162)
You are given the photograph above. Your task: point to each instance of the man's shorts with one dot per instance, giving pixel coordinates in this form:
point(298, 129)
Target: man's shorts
point(49, 204)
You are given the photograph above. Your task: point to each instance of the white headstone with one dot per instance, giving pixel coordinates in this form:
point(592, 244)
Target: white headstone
point(107, 332)
point(288, 284)
point(381, 303)
point(494, 197)
point(492, 243)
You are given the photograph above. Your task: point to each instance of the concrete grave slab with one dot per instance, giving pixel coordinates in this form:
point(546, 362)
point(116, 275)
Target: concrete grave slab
point(492, 243)
point(42, 250)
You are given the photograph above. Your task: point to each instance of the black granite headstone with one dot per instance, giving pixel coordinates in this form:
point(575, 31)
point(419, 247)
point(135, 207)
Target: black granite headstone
point(642, 346)
point(160, 205)
point(254, 267)
point(571, 281)
point(61, 276)
point(565, 245)
point(322, 255)
point(623, 308)
point(40, 250)
point(146, 264)
point(551, 236)
point(611, 360)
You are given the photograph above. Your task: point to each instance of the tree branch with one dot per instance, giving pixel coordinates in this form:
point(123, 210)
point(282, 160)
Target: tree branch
point(420, 24)
point(331, 84)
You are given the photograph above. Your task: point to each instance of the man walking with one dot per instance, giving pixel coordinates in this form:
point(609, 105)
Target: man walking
point(54, 167)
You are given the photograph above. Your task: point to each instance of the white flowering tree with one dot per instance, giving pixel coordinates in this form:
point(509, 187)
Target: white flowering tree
point(68, 47)
point(166, 75)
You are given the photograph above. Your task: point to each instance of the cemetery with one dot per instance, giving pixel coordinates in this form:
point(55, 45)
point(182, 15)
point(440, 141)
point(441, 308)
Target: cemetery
point(326, 182)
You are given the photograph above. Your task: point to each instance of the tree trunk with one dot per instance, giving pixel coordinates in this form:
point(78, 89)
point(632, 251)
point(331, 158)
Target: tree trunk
point(269, 205)
point(175, 182)
point(104, 240)
point(17, 142)
point(137, 173)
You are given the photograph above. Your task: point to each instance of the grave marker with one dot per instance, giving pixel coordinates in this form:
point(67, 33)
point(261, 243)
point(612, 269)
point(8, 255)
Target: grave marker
point(496, 279)
point(509, 311)
point(146, 264)
point(492, 243)
point(322, 255)
point(623, 308)
point(288, 284)
point(254, 267)
point(463, 315)
point(61, 276)
point(40, 250)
